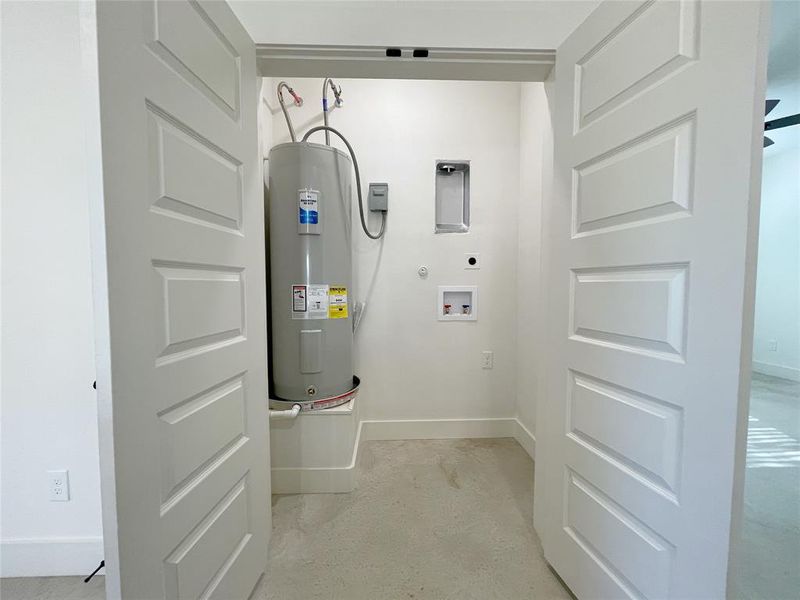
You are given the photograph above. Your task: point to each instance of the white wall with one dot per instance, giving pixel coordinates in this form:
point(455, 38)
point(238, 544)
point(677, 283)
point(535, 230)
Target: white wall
point(413, 366)
point(535, 24)
point(49, 417)
point(534, 122)
point(777, 323)
point(777, 319)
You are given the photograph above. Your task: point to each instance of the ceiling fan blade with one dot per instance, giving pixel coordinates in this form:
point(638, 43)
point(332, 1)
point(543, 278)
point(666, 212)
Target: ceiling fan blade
point(770, 104)
point(767, 142)
point(780, 122)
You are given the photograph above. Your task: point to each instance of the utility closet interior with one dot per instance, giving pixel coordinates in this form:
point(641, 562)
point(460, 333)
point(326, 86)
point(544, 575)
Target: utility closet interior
point(443, 308)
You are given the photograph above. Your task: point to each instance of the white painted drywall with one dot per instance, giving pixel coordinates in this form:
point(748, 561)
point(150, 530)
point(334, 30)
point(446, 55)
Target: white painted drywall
point(49, 415)
point(534, 125)
point(414, 366)
point(265, 113)
point(777, 323)
point(777, 319)
point(535, 24)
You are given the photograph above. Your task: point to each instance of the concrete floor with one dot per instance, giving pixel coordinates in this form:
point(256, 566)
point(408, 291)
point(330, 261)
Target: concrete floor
point(52, 588)
point(433, 519)
point(769, 567)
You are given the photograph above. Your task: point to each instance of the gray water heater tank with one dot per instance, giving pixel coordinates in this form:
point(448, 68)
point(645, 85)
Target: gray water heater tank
point(311, 298)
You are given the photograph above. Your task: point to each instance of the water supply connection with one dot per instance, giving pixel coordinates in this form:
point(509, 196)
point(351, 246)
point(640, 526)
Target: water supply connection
point(298, 101)
point(338, 102)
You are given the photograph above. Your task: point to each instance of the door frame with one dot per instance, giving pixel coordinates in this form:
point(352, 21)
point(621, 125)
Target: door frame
point(532, 65)
point(371, 62)
point(102, 332)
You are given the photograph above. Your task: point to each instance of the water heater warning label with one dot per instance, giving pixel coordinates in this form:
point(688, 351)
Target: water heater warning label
point(337, 302)
point(299, 298)
point(309, 301)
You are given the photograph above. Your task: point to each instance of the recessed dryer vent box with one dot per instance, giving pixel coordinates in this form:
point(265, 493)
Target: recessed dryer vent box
point(457, 303)
point(452, 196)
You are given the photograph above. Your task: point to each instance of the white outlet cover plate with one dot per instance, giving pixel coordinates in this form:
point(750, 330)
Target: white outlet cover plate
point(58, 485)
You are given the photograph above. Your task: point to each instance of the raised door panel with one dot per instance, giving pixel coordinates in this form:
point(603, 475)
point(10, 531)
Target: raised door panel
point(652, 43)
point(643, 181)
point(641, 309)
point(192, 178)
point(638, 431)
point(193, 45)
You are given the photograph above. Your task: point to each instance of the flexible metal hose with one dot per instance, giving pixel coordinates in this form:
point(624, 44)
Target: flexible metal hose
point(358, 181)
point(297, 100)
point(337, 103)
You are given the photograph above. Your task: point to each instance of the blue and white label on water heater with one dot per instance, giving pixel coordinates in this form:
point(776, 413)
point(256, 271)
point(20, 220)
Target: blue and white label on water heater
point(308, 205)
point(308, 212)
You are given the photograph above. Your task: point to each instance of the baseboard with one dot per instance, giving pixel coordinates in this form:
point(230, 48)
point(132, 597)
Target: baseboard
point(526, 439)
point(315, 480)
point(441, 429)
point(433, 429)
point(318, 480)
point(790, 373)
point(42, 557)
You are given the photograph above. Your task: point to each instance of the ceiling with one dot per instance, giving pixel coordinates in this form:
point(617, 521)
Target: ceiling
point(520, 24)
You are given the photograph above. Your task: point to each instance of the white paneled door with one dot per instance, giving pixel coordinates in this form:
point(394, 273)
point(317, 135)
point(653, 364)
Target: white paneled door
point(657, 108)
point(180, 297)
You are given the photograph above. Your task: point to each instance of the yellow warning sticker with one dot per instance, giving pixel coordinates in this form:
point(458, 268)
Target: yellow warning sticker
point(337, 302)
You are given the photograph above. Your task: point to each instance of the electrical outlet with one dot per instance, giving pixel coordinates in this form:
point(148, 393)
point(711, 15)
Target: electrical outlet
point(487, 359)
point(772, 345)
point(58, 485)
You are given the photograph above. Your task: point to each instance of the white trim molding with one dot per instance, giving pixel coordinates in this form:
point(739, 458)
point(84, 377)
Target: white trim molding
point(526, 439)
point(790, 373)
point(43, 557)
point(462, 64)
point(441, 429)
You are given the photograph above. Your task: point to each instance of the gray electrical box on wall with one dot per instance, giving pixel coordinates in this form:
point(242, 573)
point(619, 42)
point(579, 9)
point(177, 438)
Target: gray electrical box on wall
point(452, 196)
point(378, 199)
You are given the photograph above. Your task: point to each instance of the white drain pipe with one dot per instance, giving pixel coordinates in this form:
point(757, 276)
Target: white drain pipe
point(275, 415)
